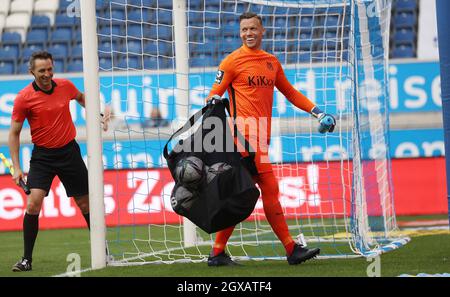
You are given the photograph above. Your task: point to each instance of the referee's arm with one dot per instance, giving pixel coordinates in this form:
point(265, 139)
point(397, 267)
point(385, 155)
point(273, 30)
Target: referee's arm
point(81, 99)
point(14, 145)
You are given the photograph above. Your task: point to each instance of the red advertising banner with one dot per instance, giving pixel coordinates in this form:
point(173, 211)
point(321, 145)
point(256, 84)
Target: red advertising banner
point(143, 196)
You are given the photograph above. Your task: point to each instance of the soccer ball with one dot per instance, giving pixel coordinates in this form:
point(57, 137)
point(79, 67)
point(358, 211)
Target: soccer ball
point(216, 169)
point(181, 198)
point(189, 171)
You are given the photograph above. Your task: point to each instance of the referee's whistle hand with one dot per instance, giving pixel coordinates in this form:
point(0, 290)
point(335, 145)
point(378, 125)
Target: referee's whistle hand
point(17, 176)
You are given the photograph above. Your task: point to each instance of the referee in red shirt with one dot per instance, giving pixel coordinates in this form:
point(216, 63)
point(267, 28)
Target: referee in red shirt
point(45, 104)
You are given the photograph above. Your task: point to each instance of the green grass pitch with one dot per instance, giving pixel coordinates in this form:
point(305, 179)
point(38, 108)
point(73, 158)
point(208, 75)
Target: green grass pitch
point(53, 247)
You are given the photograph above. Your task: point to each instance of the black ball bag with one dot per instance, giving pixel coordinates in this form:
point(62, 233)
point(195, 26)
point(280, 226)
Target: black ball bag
point(230, 197)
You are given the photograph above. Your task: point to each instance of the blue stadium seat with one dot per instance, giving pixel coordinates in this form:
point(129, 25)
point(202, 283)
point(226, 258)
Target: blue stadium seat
point(37, 36)
point(15, 47)
point(164, 17)
point(166, 4)
point(7, 53)
point(39, 21)
point(76, 51)
point(331, 21)
point(306, 22)
point(75, 66)
point(195, 18)
point(59, 65)
point(135, 15)
point(100, 4)
point(231, 28)
point(305, 40)
point(109, 46)
point(105, 63)
point(134, 46)
point(256, 8)
point(130, 62)
point(211, 33)
point(151, 47)
point(12, 49)
point(77, 36)
point(11, 37)
point(403, 51)
point(7, 67)
point(59, 50)
point(280, 10)
point(267, 10)
point(118, 15)
point(234, 7)
point(292, 45)
point(212, 19)
point(111, 29)
point(150, 62)
point(405, 19)
point(64, 21)
point(405, 5)
point(23, 68)
point(150, 31)
point(134, 30)
point(165, 48)
point(195, 34)
point(164, 32)
point(267, 21)
point(195, 5)
point(207, 49)
point(150, 3)
point(212, 5)
point(28, 50)
point(280, 21)
point(61, 34)
point(404, 35)
point(279, 45)
point(230, 44)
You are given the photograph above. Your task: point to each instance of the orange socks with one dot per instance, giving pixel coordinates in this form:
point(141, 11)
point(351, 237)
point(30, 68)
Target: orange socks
point(221, 240)
point(272, 208)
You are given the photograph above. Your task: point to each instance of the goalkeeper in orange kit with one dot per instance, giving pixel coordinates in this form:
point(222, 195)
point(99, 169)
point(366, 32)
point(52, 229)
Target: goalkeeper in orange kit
point(250, 74)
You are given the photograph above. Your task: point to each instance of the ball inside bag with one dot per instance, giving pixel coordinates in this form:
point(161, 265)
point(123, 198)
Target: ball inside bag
point(181, 197)
point(216, 169)
point(189, 171)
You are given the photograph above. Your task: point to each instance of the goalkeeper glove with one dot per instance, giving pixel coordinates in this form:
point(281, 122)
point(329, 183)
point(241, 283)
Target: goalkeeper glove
point(326, 121)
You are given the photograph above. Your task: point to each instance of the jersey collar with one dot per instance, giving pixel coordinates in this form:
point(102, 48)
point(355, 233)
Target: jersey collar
point(249, 50)
point(49, 92)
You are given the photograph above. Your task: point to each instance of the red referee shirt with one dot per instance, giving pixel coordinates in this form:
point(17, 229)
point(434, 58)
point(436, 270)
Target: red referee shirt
point(47, 113)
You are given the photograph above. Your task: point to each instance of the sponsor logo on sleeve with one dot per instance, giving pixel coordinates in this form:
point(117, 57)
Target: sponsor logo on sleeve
point(219, 76)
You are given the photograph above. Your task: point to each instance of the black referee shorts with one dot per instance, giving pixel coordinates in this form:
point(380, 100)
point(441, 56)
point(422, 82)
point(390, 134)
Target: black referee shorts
point(65, 162)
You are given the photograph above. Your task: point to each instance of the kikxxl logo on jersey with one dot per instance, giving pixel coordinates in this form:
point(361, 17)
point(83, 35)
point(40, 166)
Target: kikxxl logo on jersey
point(260, 81)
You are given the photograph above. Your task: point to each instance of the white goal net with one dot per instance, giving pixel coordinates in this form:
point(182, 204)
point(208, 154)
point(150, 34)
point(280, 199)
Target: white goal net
point(157, 63)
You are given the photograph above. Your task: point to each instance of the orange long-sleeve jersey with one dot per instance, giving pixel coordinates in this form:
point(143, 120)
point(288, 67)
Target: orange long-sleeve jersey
point(250, 77)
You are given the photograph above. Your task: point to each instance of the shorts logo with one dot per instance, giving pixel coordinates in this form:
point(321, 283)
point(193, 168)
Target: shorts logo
point(219, 76)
